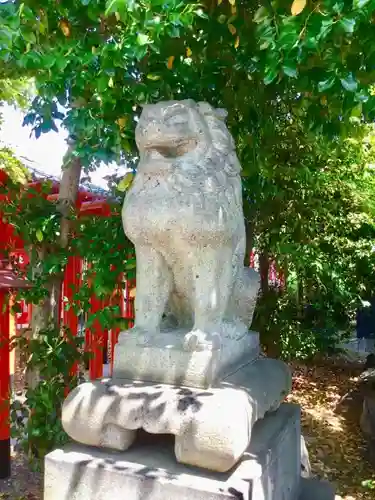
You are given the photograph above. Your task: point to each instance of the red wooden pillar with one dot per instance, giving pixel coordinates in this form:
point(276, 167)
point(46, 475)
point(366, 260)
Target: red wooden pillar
point(117, 299)
point(8, 281)
point(4, 387)
point(96, 336)
point(105, 303)
point(72, 281)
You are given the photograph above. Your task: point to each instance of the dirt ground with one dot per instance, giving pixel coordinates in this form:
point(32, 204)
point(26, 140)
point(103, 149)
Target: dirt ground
point(330, 426)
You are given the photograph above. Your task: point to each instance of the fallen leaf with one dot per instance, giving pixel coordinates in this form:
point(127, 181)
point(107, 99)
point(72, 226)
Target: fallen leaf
point(331, 428)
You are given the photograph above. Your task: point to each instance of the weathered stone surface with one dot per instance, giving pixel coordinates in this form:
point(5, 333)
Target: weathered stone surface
point(194, 303)
point(314, 489)
point(367, 420)
point(269, 470)
point(212, 427)
point(184, 215)
point(305, 460)
point(167, 361)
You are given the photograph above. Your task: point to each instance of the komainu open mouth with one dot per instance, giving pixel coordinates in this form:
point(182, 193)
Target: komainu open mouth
point(172, 149)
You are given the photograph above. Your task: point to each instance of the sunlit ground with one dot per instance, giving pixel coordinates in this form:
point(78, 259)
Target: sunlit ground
point(331, 428)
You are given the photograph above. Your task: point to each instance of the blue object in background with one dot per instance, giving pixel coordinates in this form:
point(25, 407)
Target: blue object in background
point(366, 321)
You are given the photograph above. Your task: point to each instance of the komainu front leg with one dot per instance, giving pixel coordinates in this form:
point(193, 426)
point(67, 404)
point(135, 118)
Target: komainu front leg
point(213, 283)
point(153, 287)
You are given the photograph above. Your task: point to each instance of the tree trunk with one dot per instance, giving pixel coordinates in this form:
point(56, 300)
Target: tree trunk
point(48, 310)
point(68, 193)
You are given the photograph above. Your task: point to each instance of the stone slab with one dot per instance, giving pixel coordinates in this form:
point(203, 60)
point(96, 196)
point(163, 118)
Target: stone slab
point(212, 427)
point(166, 361)
point(314, 489)
point(269, 470)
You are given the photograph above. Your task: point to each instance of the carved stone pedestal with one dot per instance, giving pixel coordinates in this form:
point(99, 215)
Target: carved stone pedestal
point(212, 427)
point(268, 470)
point(200, 385)
point(165, 360)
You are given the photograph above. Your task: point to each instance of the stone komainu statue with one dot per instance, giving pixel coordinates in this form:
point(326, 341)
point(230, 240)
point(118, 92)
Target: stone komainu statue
point(194, 304)
point(184, 215)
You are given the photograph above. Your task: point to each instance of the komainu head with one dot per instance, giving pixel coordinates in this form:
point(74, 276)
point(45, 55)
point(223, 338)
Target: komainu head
point(185, 130)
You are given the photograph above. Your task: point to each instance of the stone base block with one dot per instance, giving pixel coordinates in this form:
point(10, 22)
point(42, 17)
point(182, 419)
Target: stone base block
point(313, 489)
point(166, 361)
point(269, 470)
point(212, 427)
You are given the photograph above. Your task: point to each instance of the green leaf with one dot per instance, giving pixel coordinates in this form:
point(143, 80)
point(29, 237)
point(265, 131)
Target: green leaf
point(153, 77)
point(270, 75)
point(130, 264)
point(29, 36)
point(111, 6)
point(143, 39)
point(125, 183)
point(102, 83)
point(361, 96)
point(260, 15)
point(349, 83)
point(200, 13)
point(358, 4)
point(348, 24)
point(39, 235)
point(326, 84)
point(357, 111)
point(290, 71)
point(325, 29)
point(338, 6)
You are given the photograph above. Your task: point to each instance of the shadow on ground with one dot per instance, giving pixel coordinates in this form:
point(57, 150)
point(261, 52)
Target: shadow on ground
point(331, 408)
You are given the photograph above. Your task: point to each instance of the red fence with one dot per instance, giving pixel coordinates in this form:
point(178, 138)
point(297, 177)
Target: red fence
point(98, 341)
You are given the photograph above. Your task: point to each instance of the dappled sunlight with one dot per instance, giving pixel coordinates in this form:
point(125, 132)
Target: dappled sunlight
point(320, 414)
point(330, 424)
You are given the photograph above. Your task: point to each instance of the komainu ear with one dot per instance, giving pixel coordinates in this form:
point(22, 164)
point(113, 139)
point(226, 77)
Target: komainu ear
point(221, 113)
point(206, 109)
